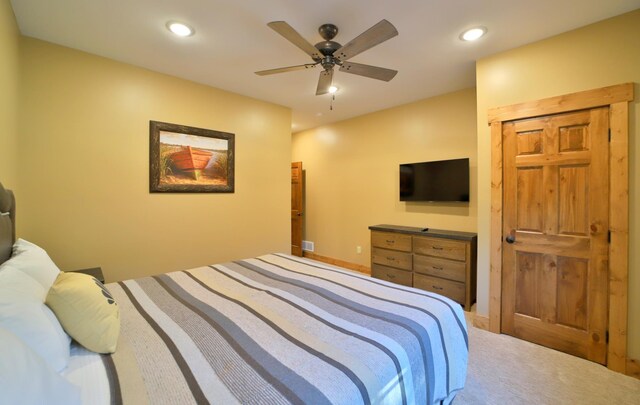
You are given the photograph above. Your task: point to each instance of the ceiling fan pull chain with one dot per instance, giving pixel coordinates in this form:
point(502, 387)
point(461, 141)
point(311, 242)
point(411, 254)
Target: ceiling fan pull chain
point(333, 98)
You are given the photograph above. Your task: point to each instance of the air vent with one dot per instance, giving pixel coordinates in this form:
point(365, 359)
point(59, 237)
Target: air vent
point(308, 246)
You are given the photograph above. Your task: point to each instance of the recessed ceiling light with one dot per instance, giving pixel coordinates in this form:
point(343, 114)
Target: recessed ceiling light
point(180, 29)
point(473, 34)
point(333, 89)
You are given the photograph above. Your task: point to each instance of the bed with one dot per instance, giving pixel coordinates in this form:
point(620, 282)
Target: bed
point(274, 329)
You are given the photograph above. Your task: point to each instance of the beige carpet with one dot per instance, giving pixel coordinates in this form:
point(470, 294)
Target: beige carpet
point(505, 370)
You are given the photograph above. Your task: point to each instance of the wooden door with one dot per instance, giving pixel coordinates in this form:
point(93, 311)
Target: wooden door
point(555, 231)
point(296, 208)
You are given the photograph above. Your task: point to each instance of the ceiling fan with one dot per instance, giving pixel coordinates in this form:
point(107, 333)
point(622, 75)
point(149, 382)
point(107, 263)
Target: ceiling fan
point(329, 53)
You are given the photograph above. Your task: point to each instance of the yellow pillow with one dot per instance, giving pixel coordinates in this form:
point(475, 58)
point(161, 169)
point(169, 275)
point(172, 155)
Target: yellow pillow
point(86, 311)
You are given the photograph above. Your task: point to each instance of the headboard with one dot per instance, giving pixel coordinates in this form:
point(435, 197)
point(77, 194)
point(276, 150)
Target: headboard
point(7, 223)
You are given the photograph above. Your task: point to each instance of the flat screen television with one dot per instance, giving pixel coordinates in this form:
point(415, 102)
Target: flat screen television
point(443, 180)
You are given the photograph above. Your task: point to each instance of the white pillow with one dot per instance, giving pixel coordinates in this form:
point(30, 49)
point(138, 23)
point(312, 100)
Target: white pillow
point(24, 314)
point(26, 379)
point(34, 261)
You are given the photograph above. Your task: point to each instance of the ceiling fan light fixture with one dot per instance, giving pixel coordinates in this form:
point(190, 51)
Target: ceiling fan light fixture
point(473, 34)
point(180, 29)
point(332, 89)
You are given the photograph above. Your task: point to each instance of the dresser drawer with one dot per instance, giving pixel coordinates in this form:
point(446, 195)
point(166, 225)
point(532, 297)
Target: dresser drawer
point(435, 266)
point(394, 275)
point(392, 258)
point(440, 248)
point(395, 241)
point(448, 288)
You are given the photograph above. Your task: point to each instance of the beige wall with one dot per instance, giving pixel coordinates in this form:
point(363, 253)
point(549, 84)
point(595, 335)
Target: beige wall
point(598, 55)
point(351, 172)
point(84, 167)
point(9, 75)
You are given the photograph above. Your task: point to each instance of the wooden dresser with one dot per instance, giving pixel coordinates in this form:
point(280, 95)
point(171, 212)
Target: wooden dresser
point(433, 259)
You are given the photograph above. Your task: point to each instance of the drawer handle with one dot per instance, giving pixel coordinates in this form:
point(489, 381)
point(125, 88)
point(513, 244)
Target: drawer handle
point(437, 247)
point(435, 287)
point(391, 258)
point(391, 275)
point(437, 268)
point(391, 241)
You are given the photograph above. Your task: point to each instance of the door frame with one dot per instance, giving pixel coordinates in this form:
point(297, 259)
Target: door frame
point(298, 167)
point(617, 98)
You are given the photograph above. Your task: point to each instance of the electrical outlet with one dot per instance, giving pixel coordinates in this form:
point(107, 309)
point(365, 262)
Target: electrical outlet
point(358, 249)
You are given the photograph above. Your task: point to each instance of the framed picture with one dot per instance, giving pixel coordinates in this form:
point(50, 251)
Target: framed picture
point(190, 160)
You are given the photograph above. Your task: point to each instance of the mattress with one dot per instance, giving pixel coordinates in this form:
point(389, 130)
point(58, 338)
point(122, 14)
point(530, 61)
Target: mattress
point(279, 329)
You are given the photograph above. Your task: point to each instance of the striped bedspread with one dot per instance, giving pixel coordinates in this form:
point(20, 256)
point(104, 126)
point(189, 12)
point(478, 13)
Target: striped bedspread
point(280, 329)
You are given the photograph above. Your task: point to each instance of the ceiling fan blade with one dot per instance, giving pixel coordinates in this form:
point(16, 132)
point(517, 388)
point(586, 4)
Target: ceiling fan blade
point(286, 69)
point(292, 36)
point(373, 72)
point(373, 36)
point(326, 77)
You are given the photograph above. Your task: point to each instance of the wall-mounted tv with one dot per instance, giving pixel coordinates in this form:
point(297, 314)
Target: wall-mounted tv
point(442, 180)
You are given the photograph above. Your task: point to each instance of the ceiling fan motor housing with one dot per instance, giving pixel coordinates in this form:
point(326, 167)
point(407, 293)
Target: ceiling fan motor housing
point(328, 47)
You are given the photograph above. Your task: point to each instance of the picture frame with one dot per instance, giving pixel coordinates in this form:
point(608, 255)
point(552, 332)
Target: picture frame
point(184, 159)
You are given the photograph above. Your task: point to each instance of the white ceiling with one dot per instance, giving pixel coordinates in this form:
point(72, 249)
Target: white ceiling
point(232, 41)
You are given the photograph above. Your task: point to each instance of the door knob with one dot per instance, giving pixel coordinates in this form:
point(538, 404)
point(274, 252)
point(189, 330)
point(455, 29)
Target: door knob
point(511, 237)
